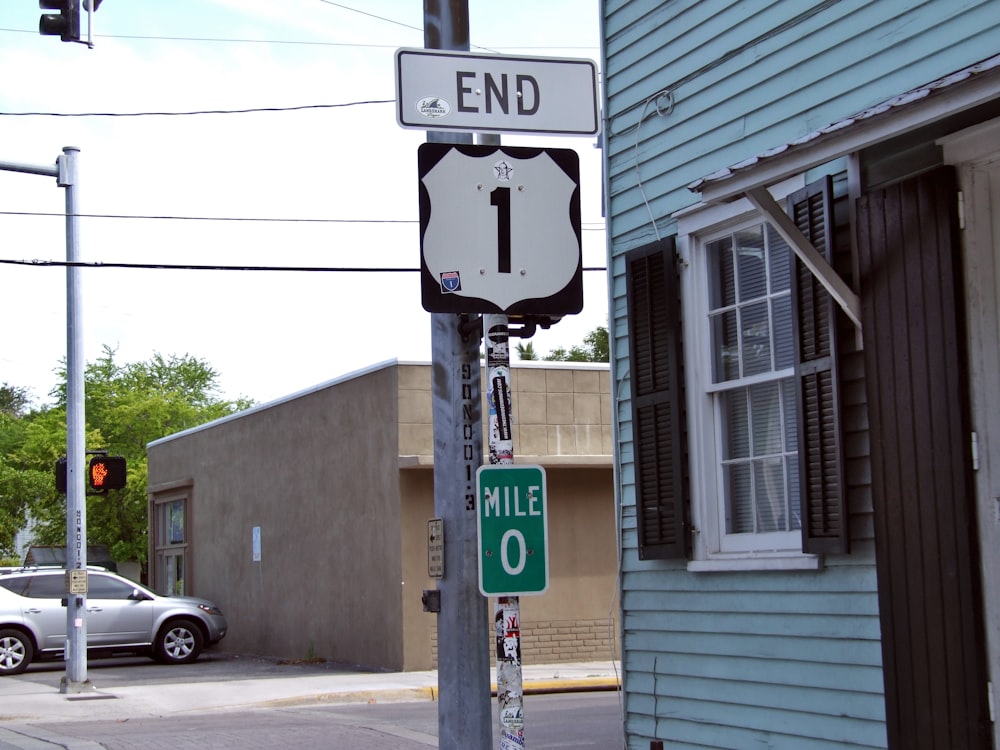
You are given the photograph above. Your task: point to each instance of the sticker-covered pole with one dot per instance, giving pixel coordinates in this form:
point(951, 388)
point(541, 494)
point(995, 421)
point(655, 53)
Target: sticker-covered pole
point(507, 609)
point(464, 712)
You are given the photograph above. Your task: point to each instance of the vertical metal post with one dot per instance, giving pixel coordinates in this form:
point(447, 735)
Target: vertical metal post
point(65, 172)
point(75, 678)
point(464, 713)
point(507, 610)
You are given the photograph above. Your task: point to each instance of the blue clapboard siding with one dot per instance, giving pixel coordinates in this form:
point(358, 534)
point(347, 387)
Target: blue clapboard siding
point(769, 660)
point(753, 659)
point(847, 57)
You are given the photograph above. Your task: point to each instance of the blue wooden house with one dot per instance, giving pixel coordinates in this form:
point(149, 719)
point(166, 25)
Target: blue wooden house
point(804, 252)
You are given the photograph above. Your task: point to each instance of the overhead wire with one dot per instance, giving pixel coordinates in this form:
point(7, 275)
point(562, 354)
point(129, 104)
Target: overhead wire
point(598, 226)
point(36, 263)
point(303, 42)
point(234, 111)
point(198, 112)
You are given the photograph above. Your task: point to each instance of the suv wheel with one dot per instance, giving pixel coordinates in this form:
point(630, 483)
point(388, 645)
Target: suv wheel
point(179, 642)
point(16, 652)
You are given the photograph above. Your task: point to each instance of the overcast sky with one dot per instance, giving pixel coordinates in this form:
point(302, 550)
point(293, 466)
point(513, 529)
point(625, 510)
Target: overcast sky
point(268, 334)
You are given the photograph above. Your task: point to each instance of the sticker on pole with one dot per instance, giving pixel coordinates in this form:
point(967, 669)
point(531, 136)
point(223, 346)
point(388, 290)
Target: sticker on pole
point(512, 530)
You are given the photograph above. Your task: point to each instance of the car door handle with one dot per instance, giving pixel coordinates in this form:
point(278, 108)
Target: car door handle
point(94, 609)
point(33, 611)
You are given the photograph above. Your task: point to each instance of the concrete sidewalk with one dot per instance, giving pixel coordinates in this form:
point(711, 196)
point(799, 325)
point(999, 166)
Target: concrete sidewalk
point(24, 702)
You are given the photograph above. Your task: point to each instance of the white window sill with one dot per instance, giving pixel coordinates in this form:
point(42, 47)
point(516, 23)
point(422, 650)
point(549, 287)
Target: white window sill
point(756, 562)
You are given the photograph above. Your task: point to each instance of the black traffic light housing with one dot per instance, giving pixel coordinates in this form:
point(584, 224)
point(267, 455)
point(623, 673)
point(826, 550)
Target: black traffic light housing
point(61, 475)
point(106, 473)
point(64, 24)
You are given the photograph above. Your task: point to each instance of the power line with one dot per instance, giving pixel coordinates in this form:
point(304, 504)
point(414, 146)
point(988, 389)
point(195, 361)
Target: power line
point(212, 218)
point(223, 40)
point(372, 15)
point(238, 40)
point(198, 112)
point(188, 267)
point(272, 219)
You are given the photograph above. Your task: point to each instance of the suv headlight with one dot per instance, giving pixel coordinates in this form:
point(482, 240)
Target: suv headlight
point(210, 610)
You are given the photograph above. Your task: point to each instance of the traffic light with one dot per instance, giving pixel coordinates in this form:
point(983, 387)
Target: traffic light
point(106, 473)
point(61, 475)
point(64, 24)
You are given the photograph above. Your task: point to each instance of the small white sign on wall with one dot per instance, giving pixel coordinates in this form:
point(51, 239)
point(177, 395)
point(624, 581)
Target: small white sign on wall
point(256, 543)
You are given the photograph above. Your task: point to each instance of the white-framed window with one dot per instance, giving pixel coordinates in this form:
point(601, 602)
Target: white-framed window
point(734, 389)
point(751, 393)
point(741, 398)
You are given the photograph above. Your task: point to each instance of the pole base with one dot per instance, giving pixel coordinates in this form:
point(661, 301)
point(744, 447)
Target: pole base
point(71, 687)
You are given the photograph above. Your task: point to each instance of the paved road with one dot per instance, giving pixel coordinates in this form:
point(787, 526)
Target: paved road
point(579, 721)
point(226, 701)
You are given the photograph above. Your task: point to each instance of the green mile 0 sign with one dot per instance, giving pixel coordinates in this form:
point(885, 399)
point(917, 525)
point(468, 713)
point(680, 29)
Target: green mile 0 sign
point(513, 530)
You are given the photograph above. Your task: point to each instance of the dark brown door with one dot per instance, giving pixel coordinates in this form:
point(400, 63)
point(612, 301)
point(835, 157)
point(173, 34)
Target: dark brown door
point(925, 531)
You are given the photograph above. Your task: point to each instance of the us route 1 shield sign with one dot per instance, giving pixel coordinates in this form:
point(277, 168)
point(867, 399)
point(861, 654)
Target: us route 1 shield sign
point(513, 530)
point(500, 230)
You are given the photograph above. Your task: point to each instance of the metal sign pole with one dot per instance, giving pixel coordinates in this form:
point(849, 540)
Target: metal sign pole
point(65, 172)
point(75, 678)
point(464, 713)
point(507, 610)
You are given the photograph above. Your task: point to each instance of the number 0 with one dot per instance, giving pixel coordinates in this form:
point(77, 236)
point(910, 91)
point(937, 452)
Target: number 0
point(500, 197)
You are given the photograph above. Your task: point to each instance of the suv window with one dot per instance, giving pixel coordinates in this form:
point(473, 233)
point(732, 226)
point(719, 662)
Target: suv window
point(17, 584)
point(103, 587)
point(45, 586)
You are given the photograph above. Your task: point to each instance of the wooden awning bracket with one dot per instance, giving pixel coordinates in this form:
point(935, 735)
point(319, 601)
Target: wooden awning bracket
point(807, 253)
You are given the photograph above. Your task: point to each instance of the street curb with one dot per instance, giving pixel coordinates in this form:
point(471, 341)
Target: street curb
point(582, 685)
point(353, 696)
point(431, 693)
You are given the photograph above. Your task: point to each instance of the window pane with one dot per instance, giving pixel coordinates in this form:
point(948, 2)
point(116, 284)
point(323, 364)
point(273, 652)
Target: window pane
point(47, 587)
point(756, 339)
point(102, 587)
point(769, 492)
point(740, 506)
point(736, 425)
point(765, 416)
point(751, 268)
point(722, 284)
point(725, 344)
point(780, 259)
point(792, 465)
point(175, 522)
point(791, 416)
point(784, 347)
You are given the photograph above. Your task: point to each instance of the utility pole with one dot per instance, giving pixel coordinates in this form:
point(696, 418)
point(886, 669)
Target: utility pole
point(65, 171)
point(75, 679)
point(463, 626)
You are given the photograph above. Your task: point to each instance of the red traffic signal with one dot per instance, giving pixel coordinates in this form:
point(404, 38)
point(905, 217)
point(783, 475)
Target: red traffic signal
point(106, 473)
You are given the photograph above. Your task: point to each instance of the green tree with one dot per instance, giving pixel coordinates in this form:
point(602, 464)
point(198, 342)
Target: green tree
point(126, 406)
point(526, 352)
point(595, 348)
point(14, 400)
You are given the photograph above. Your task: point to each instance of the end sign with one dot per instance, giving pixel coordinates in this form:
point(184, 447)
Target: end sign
point(513, 530)
point(471, 92)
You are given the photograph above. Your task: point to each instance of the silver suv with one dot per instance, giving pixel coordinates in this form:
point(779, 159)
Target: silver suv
point(122, 616)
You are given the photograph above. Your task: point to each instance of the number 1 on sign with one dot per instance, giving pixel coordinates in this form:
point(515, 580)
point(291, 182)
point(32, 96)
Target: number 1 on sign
point(500, 197)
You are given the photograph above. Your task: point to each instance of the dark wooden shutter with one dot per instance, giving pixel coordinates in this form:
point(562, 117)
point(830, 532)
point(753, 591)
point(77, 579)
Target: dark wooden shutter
point(926, 547)
point(659, 429)
point(821, 477)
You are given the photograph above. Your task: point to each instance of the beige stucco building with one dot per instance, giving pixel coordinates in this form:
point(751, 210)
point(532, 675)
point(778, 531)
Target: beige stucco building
point(305, 519)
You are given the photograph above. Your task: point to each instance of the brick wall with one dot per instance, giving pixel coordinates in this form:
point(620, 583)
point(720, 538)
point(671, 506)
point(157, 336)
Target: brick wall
point(556, 641)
